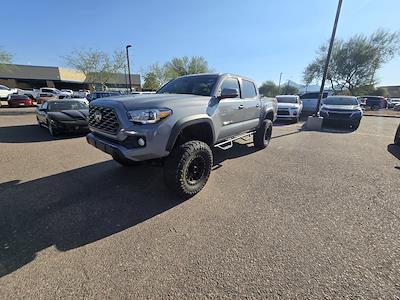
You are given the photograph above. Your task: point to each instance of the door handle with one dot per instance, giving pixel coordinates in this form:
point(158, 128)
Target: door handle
point(241, 106)
point(258, 105)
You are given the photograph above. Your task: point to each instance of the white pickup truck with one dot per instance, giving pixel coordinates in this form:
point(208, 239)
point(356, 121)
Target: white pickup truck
point(5, 92)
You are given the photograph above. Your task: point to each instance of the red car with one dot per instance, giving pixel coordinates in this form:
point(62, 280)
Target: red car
point(19, 100)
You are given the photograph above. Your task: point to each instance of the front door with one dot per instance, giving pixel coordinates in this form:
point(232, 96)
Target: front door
point(230, 110)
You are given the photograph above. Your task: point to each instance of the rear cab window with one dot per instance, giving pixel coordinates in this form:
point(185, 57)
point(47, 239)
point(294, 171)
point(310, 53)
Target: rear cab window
point(248, 89)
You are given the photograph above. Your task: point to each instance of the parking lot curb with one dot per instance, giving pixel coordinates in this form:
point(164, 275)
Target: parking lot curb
point(383, 116)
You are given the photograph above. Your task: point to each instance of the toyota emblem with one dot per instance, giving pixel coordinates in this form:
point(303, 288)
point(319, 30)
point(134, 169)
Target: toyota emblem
point(98, 116)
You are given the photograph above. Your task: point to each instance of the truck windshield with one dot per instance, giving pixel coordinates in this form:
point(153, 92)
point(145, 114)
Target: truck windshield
point(286, 99)
point(195, 85)
point(340, 101)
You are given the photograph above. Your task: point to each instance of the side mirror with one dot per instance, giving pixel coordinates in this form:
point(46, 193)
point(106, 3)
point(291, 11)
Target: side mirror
point(229, 93)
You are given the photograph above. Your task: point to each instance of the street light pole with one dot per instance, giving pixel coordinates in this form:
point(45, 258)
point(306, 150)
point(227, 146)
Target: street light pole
point(328, 57)
point(129, 69)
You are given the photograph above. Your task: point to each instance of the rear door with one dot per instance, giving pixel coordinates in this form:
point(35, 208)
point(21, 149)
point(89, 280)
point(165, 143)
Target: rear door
point(251, 102)
point(230, 110)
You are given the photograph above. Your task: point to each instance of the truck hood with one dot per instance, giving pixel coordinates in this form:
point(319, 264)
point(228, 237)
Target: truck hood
point(288, 105)
point(340, 107)
point(131, 102)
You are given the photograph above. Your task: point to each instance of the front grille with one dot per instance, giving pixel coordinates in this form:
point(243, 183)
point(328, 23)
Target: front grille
point(339, 115)
point(283, 112)
point(108, 123)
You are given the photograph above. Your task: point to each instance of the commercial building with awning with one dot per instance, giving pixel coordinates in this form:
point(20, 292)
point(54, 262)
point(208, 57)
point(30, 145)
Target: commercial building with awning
point(26, 76)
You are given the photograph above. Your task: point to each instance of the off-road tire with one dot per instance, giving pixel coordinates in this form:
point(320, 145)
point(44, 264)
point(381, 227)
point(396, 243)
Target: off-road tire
point(263, 135)
point(124, 161)
point(397, 137)
point(187, 168)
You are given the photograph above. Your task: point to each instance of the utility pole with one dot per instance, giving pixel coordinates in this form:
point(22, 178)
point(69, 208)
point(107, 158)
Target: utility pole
point(126, 78)
point(279, 86)
point(129, 69)
point(328, 57)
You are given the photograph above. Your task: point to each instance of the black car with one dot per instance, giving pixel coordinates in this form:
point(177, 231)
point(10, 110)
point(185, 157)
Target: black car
point(96, 95)
point(342, 109)
point(63, 116)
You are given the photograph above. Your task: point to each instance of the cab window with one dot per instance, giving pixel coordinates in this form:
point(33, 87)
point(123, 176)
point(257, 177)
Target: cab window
point(248, 89)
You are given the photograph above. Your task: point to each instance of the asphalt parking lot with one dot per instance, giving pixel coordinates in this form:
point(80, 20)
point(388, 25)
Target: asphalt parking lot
point(315, 215)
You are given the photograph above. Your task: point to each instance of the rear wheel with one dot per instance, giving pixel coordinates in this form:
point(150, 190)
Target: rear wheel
point(263, 135)
point(188, 167)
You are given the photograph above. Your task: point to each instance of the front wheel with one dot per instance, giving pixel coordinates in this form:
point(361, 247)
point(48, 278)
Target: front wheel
point(52, 131)
point(263, 135)
point(39, 123)
point(188, 167)
point(355, 125)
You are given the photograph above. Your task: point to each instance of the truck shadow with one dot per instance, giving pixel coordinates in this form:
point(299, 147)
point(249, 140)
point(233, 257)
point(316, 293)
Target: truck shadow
point(74, 208)
point(30, 134)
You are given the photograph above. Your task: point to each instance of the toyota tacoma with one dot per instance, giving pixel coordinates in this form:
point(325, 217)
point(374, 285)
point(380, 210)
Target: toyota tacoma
point(180, 124)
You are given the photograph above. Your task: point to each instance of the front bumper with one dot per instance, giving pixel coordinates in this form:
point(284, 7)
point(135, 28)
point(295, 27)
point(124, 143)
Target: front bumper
point(341, 116)
point(70, 126)
point(287, 114)
point(128, 148)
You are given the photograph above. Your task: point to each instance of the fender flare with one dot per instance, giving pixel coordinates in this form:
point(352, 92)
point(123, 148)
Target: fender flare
point(185, 122)
point(264, 114)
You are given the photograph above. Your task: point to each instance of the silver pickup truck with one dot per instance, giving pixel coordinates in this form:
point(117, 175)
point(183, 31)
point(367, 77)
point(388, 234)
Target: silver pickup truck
point(179, 125)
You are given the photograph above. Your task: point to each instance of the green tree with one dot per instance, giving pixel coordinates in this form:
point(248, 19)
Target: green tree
point(269, 89)
point(98, 66)
point(5, 58)
point(151, 81)
point(354, 63)
point(157, 75)
point(179, 66)
point(289, 90)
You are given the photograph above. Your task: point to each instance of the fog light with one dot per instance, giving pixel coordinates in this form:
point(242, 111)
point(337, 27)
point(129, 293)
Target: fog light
point(141, 142)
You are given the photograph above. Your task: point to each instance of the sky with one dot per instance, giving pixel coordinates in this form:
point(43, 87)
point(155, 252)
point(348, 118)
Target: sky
point(254, 38)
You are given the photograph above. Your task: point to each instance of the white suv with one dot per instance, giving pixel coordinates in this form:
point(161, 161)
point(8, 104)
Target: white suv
point(289, 107)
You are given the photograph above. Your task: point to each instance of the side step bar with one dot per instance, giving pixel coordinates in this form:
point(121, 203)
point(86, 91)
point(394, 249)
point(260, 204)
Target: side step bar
point(225, 145)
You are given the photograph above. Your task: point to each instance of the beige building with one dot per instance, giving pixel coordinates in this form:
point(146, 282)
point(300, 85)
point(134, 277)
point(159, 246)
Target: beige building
point(26, 76)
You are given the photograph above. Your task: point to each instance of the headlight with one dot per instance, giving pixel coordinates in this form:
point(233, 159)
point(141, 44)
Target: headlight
point(148, 116)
